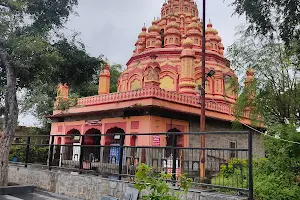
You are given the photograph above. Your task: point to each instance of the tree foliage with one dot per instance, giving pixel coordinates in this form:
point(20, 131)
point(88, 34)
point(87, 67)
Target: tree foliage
point(277, 104)
point(277, 79)
point(157, 184)
point(272, 18)
point(25, 54)
point(76, 68)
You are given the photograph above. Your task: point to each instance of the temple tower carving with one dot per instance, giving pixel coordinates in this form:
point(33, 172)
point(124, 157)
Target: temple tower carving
point(187, 82)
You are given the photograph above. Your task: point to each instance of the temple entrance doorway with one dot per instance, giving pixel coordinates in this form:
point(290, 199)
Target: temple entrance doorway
point(92, 154)
point(113, 140)
point(57, 152)
point(178, 153)
point(169, 140)
point(71, 150)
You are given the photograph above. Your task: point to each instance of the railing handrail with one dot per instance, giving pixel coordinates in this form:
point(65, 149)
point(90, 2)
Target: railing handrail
point(168, 158)
point(141, 134)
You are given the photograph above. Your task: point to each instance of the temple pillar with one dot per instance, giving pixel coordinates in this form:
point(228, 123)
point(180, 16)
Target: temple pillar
point(187, 82)
point(104, 81)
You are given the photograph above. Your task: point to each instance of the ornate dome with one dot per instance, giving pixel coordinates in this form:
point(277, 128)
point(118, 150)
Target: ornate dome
point(173, 24)
point(193, 25)
point(188, 42)
point(210, 29)
point(154, 28)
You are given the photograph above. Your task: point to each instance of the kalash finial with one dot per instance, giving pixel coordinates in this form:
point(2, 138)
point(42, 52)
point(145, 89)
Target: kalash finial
point(107, 64)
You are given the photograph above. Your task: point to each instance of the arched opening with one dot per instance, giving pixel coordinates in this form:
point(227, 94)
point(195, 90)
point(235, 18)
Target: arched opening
point(56, 156)
point(92, 154)
point(72, 152)
point(173, 140)
point(170, 139)
point(162, 35)
point(113, 139)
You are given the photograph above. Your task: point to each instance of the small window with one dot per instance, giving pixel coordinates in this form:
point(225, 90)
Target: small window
point(232, 145)
point(176, 9)
point(167, 11)
point(176, 40)
point(148, 43)
point(186, 9)
point(153, 43)
point(197, 41)
point(166, 41)
point(171, 40)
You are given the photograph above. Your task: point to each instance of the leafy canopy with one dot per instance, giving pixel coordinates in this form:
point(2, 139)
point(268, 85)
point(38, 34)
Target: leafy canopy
point(273, 17)
point(25, 30)
point(277, 79)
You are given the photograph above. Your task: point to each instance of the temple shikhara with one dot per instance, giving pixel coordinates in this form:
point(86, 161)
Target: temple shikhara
point(157, 92)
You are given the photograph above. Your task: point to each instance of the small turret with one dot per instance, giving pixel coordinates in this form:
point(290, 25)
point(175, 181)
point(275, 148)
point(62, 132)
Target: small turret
point(62, 92)
point(153, 32)
point(104, 80)
point(194, 32)
point(172, 34)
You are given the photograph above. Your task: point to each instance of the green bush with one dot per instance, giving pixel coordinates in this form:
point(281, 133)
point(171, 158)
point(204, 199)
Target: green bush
point(157, 184)
point(233, 174)
point(270, 182)
point(36, 154)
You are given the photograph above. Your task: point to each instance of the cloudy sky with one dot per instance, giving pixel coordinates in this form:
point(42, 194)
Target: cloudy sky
point(111, 27)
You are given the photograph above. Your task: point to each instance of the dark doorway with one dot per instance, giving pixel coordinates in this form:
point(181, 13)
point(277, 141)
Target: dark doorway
point(92, 154)
point(113, 139)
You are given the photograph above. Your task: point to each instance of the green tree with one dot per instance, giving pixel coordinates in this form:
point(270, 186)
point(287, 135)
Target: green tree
point(76, 68)
point(115, 72)
point(272, 18)
point(277, 82)
point(25, 52)
point(277, 103)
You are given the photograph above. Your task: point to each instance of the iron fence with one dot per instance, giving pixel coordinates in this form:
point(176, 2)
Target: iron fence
point(118, 156)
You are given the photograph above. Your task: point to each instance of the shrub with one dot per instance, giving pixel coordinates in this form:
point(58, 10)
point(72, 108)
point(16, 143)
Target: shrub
point(270, 183)
point(36, 154)
point(157, 184)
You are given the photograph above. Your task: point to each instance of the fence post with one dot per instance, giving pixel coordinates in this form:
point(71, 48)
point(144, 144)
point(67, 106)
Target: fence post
point(250, 164)
point(174, 157)
point(27, 151)
point(121, 156)
point(51, 152)
point(81, 152)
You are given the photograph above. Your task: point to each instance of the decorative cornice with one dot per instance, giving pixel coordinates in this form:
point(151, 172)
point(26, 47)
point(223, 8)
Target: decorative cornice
point(221, 107)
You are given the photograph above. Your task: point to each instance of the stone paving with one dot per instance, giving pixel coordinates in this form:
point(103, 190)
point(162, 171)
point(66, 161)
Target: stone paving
point(36, 196)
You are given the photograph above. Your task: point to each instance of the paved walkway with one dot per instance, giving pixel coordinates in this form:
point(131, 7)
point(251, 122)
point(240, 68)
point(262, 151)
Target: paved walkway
point(36, 196)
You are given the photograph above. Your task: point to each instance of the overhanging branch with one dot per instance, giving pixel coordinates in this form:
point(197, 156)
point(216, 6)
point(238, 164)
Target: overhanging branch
point(8, 5)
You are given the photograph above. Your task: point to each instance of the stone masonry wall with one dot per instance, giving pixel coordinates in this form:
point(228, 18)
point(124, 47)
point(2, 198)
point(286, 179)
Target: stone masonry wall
point(87, 187)
point(223, 140)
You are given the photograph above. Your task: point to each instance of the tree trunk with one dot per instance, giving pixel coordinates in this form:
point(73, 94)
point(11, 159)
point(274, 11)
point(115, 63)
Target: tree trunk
point(10, 116)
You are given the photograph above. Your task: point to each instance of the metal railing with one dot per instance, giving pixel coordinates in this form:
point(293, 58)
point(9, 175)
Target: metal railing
point(118, 155)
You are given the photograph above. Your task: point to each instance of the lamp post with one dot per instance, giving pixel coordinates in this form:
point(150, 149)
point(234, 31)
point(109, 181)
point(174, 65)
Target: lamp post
point(202, 95)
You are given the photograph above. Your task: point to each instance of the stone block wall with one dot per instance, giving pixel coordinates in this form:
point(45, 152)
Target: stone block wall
point(223, 140)
point(87, 187)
